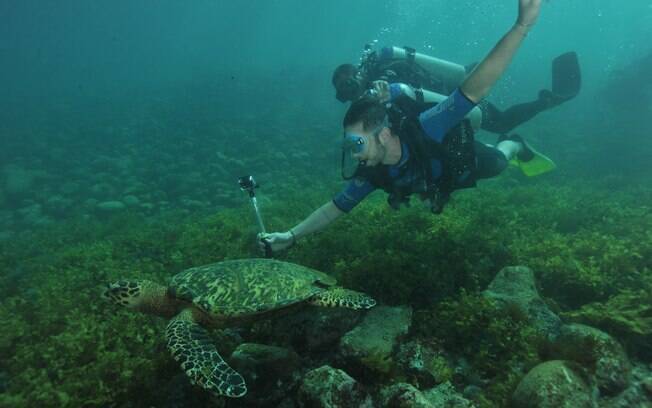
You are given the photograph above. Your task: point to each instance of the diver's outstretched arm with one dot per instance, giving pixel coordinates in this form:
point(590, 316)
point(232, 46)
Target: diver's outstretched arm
point(477, 85)
point(318, 220)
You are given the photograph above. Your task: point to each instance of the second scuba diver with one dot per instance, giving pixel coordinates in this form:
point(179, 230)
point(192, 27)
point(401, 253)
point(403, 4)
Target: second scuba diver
point(437, 78)
point(405, 150)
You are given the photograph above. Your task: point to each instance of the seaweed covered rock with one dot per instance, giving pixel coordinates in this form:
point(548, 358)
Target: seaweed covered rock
point(553, 384)
point(269, 371)
point(599, 351)
point(327, 387)
point(315, 329)
point(638, 394)
point(423, 364)
point(371, 343)
point(514, 286)
point(404, 395)
point(627, 316)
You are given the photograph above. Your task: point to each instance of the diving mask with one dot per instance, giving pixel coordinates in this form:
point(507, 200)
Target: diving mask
point(353, 146)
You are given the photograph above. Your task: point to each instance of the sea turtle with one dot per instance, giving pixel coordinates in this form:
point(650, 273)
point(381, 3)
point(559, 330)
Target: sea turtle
point(225, 293)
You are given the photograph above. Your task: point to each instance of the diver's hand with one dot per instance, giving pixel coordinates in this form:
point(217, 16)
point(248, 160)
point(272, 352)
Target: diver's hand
point(278, 241)
point(381, 89)
point(528, 12)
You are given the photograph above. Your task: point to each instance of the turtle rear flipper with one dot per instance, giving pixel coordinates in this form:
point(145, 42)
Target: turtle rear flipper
point(191, 346)
point(340, 297)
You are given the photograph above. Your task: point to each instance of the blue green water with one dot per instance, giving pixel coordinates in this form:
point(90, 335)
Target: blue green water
point(101, 76)
point(124, 126)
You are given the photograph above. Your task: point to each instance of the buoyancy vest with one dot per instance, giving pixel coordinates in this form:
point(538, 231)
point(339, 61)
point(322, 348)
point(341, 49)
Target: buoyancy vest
point(456, 156)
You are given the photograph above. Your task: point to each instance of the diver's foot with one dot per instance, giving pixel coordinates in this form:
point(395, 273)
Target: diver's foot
point(525, 153)
point(531, 162)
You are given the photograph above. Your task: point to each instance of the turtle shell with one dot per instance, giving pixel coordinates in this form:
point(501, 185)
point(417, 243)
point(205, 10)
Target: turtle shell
point(247, 286)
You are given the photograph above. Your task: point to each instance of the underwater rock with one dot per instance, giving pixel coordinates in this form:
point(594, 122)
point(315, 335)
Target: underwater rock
point(268, 370)
point(318, 329)
point(17, 181)
point(372, 341)
point(33, 215)
point(130, 200)
point(110, 206)
point(638, 394)
point(101, 190)
point(328, 387)
point(404, 395)
point(514, 286)
point(58, 205)
point(70, 188)
point(553, 384)
point(627, 315)
point(594, 348)
point(424, 364)
point(444, 395)
point(193, 204)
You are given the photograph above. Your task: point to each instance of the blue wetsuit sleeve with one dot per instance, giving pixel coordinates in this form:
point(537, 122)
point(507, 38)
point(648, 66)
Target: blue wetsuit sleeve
point(439, 119)
point(355, 192)
point(395, 91)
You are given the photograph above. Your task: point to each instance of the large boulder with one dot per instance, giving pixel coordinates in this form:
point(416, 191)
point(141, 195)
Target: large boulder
point(594, 348)
point(270, 372)
point(627, 316)
point(637, 394)
point(514, 286)
point(315, 330)
point(328, 387)
point(403, 395)
point(372, 342)
point(421, 362)
point(553, 384)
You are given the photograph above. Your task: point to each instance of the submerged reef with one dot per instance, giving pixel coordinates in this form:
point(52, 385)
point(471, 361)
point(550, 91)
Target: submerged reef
point(590, 259)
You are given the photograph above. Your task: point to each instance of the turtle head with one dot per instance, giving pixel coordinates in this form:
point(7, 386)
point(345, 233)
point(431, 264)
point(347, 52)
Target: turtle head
point(124, 293)
point(143, 296)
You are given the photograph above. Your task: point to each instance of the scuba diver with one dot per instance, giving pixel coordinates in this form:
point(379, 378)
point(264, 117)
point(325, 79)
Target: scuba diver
point(437, 77)
point(403, 149)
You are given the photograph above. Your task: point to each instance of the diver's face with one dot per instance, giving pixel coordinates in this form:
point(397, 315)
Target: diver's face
point(350, 88)
point(363, 148)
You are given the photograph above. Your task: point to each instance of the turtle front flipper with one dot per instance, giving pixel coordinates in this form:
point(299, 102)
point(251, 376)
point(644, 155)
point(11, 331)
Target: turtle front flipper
point(192, 347)
point(340, 297)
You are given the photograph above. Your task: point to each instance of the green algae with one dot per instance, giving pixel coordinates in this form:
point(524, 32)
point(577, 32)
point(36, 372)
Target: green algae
point(67, 348)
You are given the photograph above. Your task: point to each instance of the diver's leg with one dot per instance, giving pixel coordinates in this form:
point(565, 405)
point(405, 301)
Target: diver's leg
point(566, 84)
point(497, 121)
point(491, 161)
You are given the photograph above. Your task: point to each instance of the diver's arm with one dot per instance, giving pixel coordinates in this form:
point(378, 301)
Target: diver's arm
point(429, 97)
point(477, 85)
point(386, 92)
point(318, 220)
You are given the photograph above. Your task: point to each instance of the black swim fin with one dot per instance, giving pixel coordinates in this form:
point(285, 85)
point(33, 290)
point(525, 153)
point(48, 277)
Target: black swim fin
point(566, 76)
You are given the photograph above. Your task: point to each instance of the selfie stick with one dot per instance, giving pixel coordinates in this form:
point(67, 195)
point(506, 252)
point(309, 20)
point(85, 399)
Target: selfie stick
point(248, 184)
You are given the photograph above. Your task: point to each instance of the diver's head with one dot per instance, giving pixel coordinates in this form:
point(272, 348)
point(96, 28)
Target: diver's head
point(366, 133)
point(349, 82)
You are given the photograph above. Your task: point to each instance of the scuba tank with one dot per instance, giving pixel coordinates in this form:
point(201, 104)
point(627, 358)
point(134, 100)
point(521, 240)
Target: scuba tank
point(426, 96)
point(448, 72)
